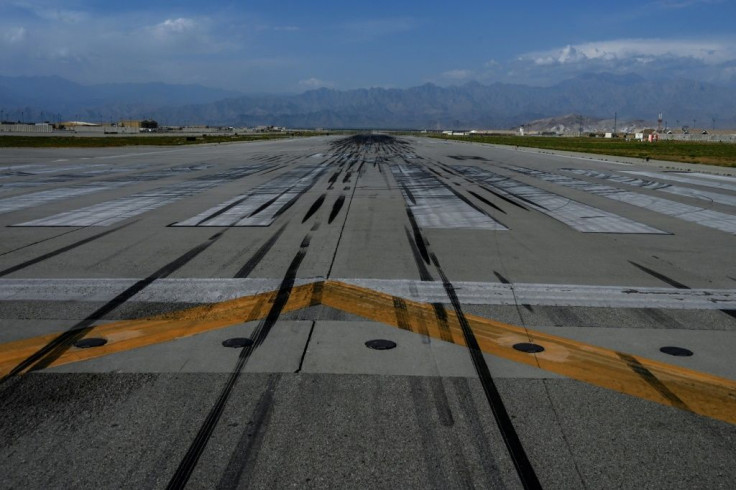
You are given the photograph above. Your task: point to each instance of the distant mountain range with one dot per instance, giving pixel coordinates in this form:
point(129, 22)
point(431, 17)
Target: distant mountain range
point(427, 106)
point(56, 96)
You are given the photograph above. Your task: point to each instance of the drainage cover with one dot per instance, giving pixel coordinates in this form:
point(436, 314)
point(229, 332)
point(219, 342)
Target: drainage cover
point(90, 342)
point(236, 342)
point(676, 351)
point(528, 347)
point(380, 344)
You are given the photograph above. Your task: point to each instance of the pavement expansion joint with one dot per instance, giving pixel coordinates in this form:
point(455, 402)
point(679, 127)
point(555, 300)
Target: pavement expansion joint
point(694, 391)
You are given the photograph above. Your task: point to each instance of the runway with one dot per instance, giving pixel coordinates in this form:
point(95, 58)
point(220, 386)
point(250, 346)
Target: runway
point(552, 321)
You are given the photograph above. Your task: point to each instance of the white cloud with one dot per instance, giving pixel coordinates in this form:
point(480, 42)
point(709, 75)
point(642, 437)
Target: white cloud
point(678, 4)
point(635, 50)
point(15, 35)
point(183, 34)
point(707, 60)
point(313, 83)
point(174, 27)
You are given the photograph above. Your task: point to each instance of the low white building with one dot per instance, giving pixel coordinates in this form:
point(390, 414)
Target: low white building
point(26, 128)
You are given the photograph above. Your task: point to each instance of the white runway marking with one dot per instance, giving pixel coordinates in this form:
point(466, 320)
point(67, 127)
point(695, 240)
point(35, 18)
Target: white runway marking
point(657, 186)
point(578, 216)
point(434, 205)
point(724, 178)
point(70, 177)
point(199, 290)
point(693, 214)
point(107, 213)
point(678, 177)
point(44, 197)
point(110, 212)
point(261, 206)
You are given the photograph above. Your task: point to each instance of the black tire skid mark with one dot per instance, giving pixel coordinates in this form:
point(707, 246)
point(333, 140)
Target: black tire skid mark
point(674, 283)
point(485, 201)
point(484, 186)
point(408, 193)
point(336, 207)
point(251, 439)
point(266, 204)
point(188, 463)
point(251, 264)
point(56, 347)
point(61, 250)
point(419, 239)
point(466, 200)
point(424, 395)
point(653, 381)
point(41, 241)
point(294, 199)
point(523, 466)
point(314, 207)
point(501, 196)
point(424, 273)
point(511, 439)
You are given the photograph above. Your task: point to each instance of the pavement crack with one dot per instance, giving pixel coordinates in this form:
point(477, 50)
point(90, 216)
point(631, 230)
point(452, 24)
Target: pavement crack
point(306, 348)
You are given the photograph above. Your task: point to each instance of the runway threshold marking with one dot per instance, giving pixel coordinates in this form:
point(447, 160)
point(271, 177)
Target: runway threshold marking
point(579, 216)
point(690, 390)
point(694, 214)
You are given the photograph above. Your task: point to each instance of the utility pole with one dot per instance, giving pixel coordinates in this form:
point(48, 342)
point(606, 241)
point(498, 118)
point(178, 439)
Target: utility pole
point(615, 122)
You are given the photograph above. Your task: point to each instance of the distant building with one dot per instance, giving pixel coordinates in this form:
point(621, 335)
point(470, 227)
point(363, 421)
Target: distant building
point(130, 123)
point(26, 128)
point(74, 124)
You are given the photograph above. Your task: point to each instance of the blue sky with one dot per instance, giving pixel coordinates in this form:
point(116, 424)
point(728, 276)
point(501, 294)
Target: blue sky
point(292, 46)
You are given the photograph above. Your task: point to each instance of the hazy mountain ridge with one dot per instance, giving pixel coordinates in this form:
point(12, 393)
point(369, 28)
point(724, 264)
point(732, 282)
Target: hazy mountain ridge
point(479, 106)
point(58, 96)
point(429, 106)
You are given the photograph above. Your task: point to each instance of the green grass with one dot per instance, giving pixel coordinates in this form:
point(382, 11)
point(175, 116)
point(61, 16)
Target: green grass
point(723, 154)
point(107, 141)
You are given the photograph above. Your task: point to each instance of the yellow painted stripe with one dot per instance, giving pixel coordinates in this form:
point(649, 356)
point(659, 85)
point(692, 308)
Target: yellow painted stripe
point(694, 391)
point(131, 334)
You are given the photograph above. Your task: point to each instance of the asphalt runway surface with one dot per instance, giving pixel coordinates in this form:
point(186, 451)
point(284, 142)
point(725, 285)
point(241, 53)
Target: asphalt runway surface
point(369, 311)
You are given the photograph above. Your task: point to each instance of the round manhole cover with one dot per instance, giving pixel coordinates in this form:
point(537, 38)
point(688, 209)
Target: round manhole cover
point(528, 347)
point(380, 344)
point(237, 342)
point(676, 351)
point(90, 342)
